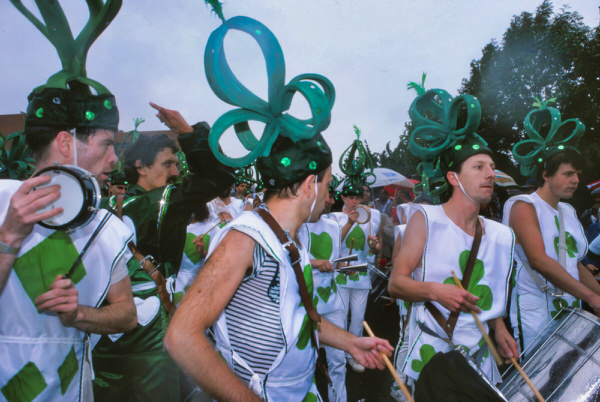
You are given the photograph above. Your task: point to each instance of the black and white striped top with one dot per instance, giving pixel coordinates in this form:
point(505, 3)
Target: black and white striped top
point(252, 316)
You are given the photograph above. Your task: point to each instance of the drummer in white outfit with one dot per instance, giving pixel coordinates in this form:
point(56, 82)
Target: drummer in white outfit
point(551, 241)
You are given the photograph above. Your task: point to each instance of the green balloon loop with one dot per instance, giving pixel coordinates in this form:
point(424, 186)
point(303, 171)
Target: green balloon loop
point(317, 90)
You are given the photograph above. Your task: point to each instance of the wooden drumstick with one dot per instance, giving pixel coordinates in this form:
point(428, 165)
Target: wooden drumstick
point(495, 352)
point(208, 231)
point(390, 367)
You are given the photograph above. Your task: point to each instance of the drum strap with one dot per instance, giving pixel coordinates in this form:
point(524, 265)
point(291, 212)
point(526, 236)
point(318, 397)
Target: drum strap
point(449, 324)
point(148, 264)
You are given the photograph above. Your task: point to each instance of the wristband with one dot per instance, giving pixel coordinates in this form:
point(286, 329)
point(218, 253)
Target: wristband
point(6, 249)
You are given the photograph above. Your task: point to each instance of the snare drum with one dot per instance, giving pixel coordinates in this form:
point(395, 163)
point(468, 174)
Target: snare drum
point(565, 364)
point(79, 197)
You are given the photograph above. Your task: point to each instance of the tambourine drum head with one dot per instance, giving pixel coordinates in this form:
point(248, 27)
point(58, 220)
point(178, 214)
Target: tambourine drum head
point(79, 197)
point(364, 214)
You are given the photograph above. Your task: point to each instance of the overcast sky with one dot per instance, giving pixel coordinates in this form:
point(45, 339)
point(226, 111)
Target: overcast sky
point(370, 50)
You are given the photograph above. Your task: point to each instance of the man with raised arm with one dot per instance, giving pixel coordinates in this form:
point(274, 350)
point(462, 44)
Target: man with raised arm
point(439, 240)
point(550, 239)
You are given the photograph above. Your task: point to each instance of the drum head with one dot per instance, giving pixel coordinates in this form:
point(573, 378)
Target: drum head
point(78, 192)
point(364, 214)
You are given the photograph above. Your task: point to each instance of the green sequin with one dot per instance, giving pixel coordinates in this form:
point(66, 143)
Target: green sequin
point(458, 147)
point(39, 113)
point(108, 104)
point(476, 146)
point(561, 147)
point(286, 161)
point(312, 165)
point(89, 115)
point(540, 160)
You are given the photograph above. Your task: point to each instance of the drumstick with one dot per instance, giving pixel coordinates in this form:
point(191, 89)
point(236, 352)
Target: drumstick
point(390, 367)
point(495, 352)
point(208, 231)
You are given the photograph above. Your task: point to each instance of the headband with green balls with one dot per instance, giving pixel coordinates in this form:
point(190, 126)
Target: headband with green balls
point(66, 100)
point(356, 163)
point(441, 138)
point(548, 136)
point(290, 148)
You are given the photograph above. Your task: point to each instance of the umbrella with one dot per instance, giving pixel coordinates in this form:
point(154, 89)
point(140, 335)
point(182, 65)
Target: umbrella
point(388, 177)
point(504, 180)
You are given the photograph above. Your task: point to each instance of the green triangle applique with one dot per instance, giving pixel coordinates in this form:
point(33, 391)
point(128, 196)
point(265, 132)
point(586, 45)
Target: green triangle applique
point(37, 268)
point(67, 370)
point(24, 386)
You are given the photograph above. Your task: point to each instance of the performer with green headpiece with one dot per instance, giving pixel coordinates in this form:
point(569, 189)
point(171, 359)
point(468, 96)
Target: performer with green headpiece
point(550, 238)
point(357, 238)
point(256, 288)
point(440, 238)
point(61, 285)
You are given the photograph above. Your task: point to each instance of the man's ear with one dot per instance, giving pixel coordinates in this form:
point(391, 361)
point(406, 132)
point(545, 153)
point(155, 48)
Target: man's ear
point(451, 177)
point(140, 168)
point(308, 185)
point(65, 143)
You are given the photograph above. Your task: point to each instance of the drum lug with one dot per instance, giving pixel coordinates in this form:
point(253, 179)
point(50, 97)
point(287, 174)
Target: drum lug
point(92, 209)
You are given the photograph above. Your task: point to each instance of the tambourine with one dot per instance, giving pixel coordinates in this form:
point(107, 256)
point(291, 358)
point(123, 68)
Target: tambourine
point(364, 214)
point(79, 197)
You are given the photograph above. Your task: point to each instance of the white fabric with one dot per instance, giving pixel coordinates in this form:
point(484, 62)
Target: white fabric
point(336, 360)
point(446, 243)
point(291, 375)
point(28, 336)
point(356, 300)
point(234, 208)
point(532, 309)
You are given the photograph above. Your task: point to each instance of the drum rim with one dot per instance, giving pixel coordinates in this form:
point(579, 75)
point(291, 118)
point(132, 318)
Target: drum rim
point(366, 208)
point(85, 215)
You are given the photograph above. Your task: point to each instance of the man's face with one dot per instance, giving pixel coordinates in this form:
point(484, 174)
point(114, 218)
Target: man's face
point(242, 188)
point(322, 194)
point(160, 172)
point(351, 202)
point(97, 155)
point(366, 197)
point(477, 177)
point(329, 201)
point(564, 182)
point(116, 189)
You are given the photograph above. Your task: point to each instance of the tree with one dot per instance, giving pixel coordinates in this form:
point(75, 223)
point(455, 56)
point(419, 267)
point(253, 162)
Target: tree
point(399, 159)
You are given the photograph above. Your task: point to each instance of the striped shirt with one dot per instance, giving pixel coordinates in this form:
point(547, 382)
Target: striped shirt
point(252, 317)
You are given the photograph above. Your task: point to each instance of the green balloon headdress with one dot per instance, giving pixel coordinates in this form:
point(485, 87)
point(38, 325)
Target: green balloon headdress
point(356, 163)
point(444, 129)
point(66, 100)
point(300, 150)
point(244, 175)
point(548, 135)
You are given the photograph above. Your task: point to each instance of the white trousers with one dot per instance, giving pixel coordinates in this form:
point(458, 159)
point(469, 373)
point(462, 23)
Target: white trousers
point(355, 301)
point(336, 360)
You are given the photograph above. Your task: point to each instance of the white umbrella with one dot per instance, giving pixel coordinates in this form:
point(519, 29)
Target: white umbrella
point(388, 177)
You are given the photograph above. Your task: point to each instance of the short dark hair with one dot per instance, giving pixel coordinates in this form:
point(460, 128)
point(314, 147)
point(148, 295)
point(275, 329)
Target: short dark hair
point(292, 189)
point(550, 166)
point(144, 150)
point(38, 138)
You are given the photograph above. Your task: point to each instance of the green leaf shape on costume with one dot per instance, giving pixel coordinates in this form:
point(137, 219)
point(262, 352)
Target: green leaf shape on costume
point(304, 335)
point(26, 385)
point(308, 278)
point(359, 239)
point(310, 397)
point(324, 293)
point(38, 267)
point(177, 297)
point(321, 246)
point(426, 353)
point(361, 273)
point(341, 279)
point(569, 242)
point(67, 370)
point(559, 303)
point(189, 248)
point(354, 277)
point(482, 291)
point(334, 288)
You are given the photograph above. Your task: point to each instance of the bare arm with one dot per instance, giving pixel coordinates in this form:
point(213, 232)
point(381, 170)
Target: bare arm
point(523, 220)
point(587, 278)
point(364, 350)
point(409, 257)
point(63, 299)
point(21, 216)
point(352, 217)
point(186, 341)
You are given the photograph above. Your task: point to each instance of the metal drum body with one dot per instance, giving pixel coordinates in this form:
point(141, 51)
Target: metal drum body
point(564, 363)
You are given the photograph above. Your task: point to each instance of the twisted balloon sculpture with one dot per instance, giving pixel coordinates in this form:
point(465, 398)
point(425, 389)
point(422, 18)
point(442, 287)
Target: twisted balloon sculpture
point(548, 135)
point(273, 112)
point(356, 163)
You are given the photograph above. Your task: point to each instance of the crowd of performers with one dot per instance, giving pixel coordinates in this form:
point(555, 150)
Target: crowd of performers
point(224, 285)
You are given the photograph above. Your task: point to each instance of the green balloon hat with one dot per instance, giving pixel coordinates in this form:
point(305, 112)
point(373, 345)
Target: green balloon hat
point(66, 100)
point(356, 163)
point(548, 136)
point(289, 148)
point(444, 134)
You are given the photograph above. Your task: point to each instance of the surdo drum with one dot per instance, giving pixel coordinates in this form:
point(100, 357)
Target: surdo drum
point(79, 197)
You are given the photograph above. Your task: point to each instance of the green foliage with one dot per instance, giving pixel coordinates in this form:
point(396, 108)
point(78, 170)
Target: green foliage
point(16, 161)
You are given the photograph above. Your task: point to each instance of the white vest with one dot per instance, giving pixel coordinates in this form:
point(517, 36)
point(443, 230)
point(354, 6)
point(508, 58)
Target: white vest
point(447, 249)
point(290, 378)
point(41, 357)
point(322, 239)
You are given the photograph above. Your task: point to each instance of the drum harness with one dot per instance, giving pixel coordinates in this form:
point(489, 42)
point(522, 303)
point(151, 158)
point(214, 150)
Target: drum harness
point(149, 264)
point(542, 284)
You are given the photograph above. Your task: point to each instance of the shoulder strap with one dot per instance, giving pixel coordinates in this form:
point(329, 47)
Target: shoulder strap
point(449, 324)
point(295, 259)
